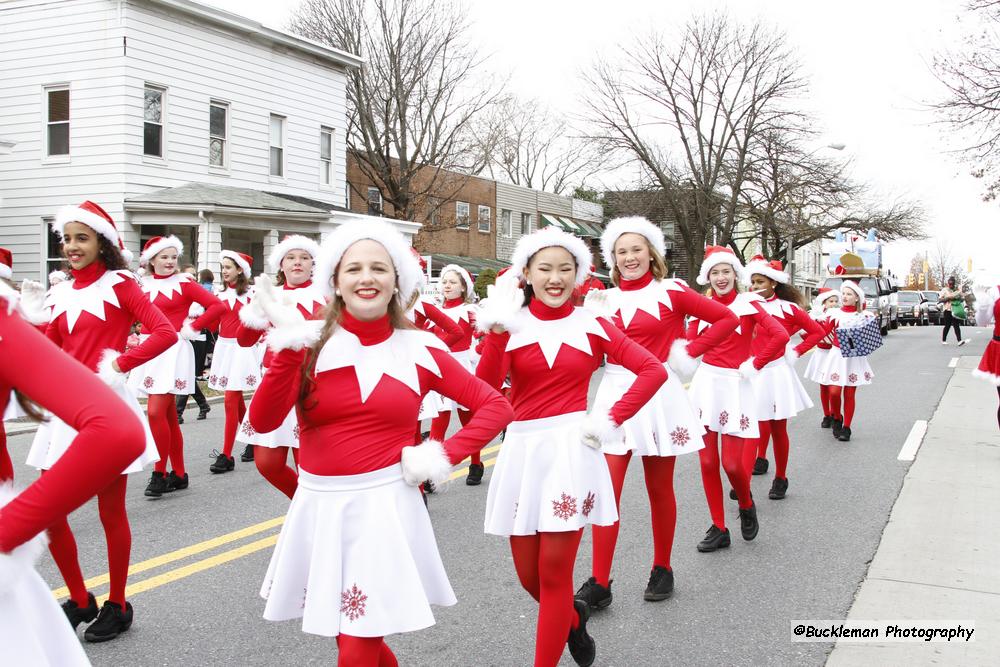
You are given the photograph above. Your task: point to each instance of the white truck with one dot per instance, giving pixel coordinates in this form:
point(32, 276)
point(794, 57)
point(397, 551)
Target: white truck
point(860, 260)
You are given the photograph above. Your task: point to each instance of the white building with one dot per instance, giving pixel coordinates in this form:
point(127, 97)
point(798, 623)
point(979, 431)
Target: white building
point(176, 118)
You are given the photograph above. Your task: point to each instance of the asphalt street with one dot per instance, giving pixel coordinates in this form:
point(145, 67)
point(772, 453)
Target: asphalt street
point(199, 555)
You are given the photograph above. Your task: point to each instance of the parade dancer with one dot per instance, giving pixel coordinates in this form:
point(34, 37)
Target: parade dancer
point(723, 394)
point(356, 558)
point(12, 410)
point(107, 437)
point(172, 372)
point(988, 310)
point(778, 390)
point(550, 478)
point(825, 302)
point(846, 374)
point(91, 318)
point(293, 260)
point(234, 368)
point(651, 310)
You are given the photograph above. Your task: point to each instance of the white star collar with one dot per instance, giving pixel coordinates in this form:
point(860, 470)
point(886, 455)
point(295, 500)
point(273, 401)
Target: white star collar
point(165, 286)
point(743, 305)
point(551, 335)
point(646, 299)
point(231, 298)
point(779, 308)
point(397, 357)
point(459, 313)
point(91, 299)
point(307, 297)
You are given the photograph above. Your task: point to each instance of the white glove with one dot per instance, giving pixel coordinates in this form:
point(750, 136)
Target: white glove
point(290, 330)
point(32, 302)
point(600, 429)
point(106, 370)
point(599, 303)
point(426, 461)
point(791, 356)
point(748, 370)
point(187, 333)
point(680, 360)
point(504, 300)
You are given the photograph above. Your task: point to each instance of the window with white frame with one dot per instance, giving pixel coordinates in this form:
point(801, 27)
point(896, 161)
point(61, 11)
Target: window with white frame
point(53, 248)
point(152, 120)
point(218, 134)
point(506, 223)
point(374, 201)
point(525, 223)
point(57, 121)
point(462, 215)
point(484, 216)
point(326, 156)
point(277, 138)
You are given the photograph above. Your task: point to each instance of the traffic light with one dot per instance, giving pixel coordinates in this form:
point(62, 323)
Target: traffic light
point(921, 281)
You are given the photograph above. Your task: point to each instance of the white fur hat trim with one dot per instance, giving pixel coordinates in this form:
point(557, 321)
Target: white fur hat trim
point(288, 244)
point(470, 286)
point(764, 268)
point(5, 272)
point(153, 249)
point(719, 256)
point(856, 288)
point(548, 237)
point(408, 274)
point(235, 258)
point(631, 225)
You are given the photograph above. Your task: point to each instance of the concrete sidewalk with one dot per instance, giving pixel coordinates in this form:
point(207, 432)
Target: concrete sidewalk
point(939, 558)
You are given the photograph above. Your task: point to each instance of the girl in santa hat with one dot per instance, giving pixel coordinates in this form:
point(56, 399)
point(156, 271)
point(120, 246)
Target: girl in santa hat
point(823, 305)
point(723, 394)
point(356, 558)
point(234, 368)
point(550, 478)
point(988, 310)
point(172, 372)
point(107, 437)
point(846, 374)
point(91, 318)
point(293, 260)
point(650, 309)
point(780, 395)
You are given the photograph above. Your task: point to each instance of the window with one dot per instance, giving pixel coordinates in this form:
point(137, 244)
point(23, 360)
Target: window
point(57, 123)
point(374, 201)
point(277, 146)
point(325, 156)
point(53, 248)
point(435, 205)
point(525, 223)
point(461, 215)
point(218, 134)
point(483, 218)
point(152, 126)
point(506, 225)
point(347, 195)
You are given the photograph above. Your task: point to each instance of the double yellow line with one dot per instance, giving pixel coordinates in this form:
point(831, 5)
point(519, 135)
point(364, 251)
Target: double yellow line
point(184, 571)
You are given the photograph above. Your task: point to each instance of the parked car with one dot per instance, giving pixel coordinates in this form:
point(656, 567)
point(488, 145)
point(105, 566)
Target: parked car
point(877, 296)
point(934, 313)
point(893, 303)
point(912, 308)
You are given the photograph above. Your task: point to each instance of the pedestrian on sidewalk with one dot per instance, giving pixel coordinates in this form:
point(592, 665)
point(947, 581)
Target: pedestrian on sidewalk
point(107, 435)
point(550, 479)
point(356, 558)
point(827, 301)
point(722, 392)
point(989, 366)
point(293, 261)
point(953, 304)
point(845, 374)
point(90, 319)
point(650, 309)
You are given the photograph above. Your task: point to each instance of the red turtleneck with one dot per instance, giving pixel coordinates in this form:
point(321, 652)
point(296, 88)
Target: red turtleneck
point(793, 319)
point(736, 348)
point(175, 293)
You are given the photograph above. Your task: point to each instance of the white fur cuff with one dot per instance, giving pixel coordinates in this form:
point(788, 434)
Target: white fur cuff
point(21, 560)
point(600, 429)
point(501, 306)
point(252, 316)
point(106, 371)
point(294, 336)
point(791, 356)
point(680, 360)
point(426, 461)
point(187, 333)
point(748, 370)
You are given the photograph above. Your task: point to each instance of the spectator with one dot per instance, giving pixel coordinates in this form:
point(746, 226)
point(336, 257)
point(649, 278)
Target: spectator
point(591, 283)
point(954, 311)
point(207, 279)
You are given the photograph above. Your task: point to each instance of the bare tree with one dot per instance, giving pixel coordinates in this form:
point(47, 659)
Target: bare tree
point(413, 103)
point(944, 264)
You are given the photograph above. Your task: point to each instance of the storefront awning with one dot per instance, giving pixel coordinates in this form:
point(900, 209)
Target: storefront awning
point(474, 265)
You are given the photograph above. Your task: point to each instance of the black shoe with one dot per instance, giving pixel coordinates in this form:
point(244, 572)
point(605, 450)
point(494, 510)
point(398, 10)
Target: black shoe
point(837, 426)
point(715, 538)
point(180, 418)
point(778, 488)
point(176, 482)
point(111, 622)
point(748, 523)
point(475, 477)
point(595, 595)
point(760, 466)
point(203, 413)
point(157, 485)
point(845, 434)
point(827, 422)
point(77, 614)
point(661, 584)
point(247, 455)
point(429, 487)
point(222, 464)
point(581, 645)
point(732, 494)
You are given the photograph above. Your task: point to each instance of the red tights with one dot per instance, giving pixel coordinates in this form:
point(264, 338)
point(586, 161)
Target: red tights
point(6, 467)
point(659, 472)
point(439, 428)
point(236, 409)
point(364, 652)
point(824, 398)
point(273, 465)
point(162, 412)
point(544, 564)
point(732, 463)
point(778, 430)
point(848, 393)
point(111, 507)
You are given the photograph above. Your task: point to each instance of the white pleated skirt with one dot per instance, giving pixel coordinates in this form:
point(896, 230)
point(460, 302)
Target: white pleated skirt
point(667, 425)
point(546, 480)
point(779, 393)
point(170, 372)
point(54, 437)
point(816, 367)
point(434, 403)
point(847, 371)
point(234, 368)
point(725, 401)
point(357, 555)
point(286, 435)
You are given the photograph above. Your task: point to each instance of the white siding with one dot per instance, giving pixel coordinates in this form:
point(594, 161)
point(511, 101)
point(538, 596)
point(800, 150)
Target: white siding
point(588, 211)
point(518, 200)
point(555, 204)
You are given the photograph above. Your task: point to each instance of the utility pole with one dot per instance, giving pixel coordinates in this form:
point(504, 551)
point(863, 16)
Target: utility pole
point(927, 273)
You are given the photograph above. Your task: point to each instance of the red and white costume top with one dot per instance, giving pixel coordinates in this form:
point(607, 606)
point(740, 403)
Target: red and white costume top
point(462, 314)
point(428, 316)
point(229, 322)
point(234, 367)
point(309, 301)
point(365, 395)
point(847, 371)
point(793, 319)
point(989, 365)
point(755, 322)
point(174, 294)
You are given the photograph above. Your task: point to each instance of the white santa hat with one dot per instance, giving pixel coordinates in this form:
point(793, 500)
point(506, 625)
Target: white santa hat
point(6, 264)
point(464, 275)
point(57, 277)
point(772, 269)
point(408, 274)
point(548, 237)
point(630, 225)
point(158, 244)
point(715, 255)
point(288, 244)
point(856, 288)
point(239, 259)
point(94, 217)
point(824, 294)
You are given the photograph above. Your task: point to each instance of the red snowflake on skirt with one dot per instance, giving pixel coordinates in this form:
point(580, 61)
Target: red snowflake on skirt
point(213, 379)
point(352, 603)
point(147, 382)
point(835, 377)
point(868, 376)
point(179, 384)
point(588, 504)
point(223, 381)
point(564, 508)
point(680, 436)
point(744, 422)
point(251, 380)
point(723, 418)
point(295, 432)
point(853, 377)
point(247, 429)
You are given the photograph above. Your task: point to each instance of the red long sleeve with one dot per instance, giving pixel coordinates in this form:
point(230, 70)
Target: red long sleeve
point(772, 337)
point(162, 334)
point(814, 332)
point(444, 327)
point(723, 320)
point(649, 371)
point(278, 391)
point(494, 364)
point(214, 309)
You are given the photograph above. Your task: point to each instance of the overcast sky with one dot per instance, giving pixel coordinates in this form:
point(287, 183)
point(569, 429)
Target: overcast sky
point(867, 62)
